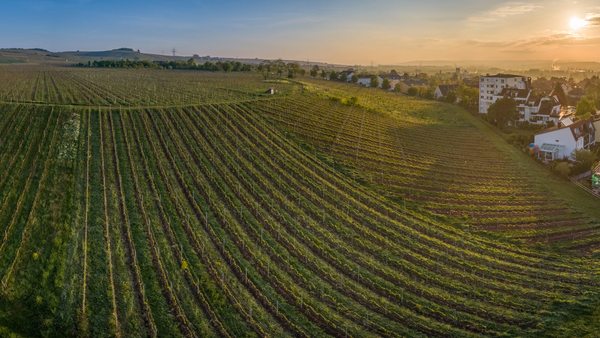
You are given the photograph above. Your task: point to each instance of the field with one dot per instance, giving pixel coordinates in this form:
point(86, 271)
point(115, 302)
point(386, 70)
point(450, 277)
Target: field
point(189, 204)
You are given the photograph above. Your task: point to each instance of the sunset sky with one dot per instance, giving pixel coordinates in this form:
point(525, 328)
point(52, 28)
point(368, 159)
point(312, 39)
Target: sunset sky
point(340, 31)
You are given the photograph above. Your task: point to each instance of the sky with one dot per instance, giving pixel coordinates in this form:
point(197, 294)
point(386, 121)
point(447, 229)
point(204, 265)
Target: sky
point(336, 31)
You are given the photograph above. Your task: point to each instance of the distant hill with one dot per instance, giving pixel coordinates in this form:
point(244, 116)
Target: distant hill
point(38, 55)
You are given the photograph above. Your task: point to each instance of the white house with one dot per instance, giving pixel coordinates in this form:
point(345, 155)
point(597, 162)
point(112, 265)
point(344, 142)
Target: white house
point(394, 79)
point(559, 142)
point(442, 90)
point(493, 85)
point(365, 80)
point(349, 73)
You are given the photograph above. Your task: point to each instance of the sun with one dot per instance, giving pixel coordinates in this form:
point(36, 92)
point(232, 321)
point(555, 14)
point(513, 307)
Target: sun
point(577, 23)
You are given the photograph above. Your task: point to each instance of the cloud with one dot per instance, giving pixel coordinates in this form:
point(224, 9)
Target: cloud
point(504, 11)
point(592, 20)
point(478, 19)
point(534, 43)
point(509, 10)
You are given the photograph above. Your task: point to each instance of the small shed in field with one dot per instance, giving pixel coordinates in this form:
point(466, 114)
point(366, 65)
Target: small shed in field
point(270, 91)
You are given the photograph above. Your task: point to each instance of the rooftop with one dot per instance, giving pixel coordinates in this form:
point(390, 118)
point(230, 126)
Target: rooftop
point(515, 92)
point(551, 147)
point(505, 76)
point(575, 127)
point(446, 88)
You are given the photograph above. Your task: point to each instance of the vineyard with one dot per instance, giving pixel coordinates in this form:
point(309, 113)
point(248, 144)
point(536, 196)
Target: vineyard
point(203, 208)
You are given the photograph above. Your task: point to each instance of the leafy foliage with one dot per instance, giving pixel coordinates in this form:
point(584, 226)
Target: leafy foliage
point(503, 111)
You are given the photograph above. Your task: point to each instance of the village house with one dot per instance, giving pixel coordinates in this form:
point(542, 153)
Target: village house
point(442, 90)
point(348, 73)
point(394, 79)
point(365, 80)
point(412, 83)
point(576, 94)
point(532, 109)
point(559, 142)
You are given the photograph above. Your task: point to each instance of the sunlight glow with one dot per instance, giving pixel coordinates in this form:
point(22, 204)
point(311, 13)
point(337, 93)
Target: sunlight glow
point(577, 23)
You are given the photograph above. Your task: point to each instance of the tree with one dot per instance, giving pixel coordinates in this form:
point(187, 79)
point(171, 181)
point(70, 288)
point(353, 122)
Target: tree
point(323, 74)
point(406, 76)
point(585, 107)
point(333, 76)
point(558, 91)
point(386, 85)
point(393, 72)
point(583, 156)
point(430, 93)
point(344, 77)
point(314, 72)
point(374, 81)
point(584, 160)
point(504, 110)
point(421, 90)
point(398, 87)
point(354, 79)
point(451, 97)
point(280, 66)
point(264, 68)
point(191, 63)
point(412, 91)
point(293, 68)
point(226, 66)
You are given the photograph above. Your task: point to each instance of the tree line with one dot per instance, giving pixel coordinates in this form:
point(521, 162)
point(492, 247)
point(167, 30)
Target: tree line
point(224, 66)
point(279, 67)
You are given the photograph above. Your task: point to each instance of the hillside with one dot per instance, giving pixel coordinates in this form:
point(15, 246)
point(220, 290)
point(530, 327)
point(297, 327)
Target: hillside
point(192, 204)
point(41, 56)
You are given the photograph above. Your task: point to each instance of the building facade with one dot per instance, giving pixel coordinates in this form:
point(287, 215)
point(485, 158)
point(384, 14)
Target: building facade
point(493, 85)
point(559, 142)
point(443, 90)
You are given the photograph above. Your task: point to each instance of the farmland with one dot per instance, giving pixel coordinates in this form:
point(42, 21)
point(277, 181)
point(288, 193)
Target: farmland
point(189, 204)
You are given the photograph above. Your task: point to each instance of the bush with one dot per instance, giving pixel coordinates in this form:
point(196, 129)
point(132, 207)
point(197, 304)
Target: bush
point(352, 101)
point(412, 91)
point(562, 169)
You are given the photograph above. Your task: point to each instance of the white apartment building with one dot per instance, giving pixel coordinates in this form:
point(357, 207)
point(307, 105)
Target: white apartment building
point(493, 85)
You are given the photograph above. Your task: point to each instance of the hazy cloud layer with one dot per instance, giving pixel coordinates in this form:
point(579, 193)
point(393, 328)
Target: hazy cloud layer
point(509, 9)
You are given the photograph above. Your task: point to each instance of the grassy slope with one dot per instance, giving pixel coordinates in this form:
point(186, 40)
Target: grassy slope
point(561, 188)
point(577, 319)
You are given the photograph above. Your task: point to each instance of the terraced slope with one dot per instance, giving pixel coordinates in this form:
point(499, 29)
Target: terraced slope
point(209, 221)
point(130, 88)
point(430, 154)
